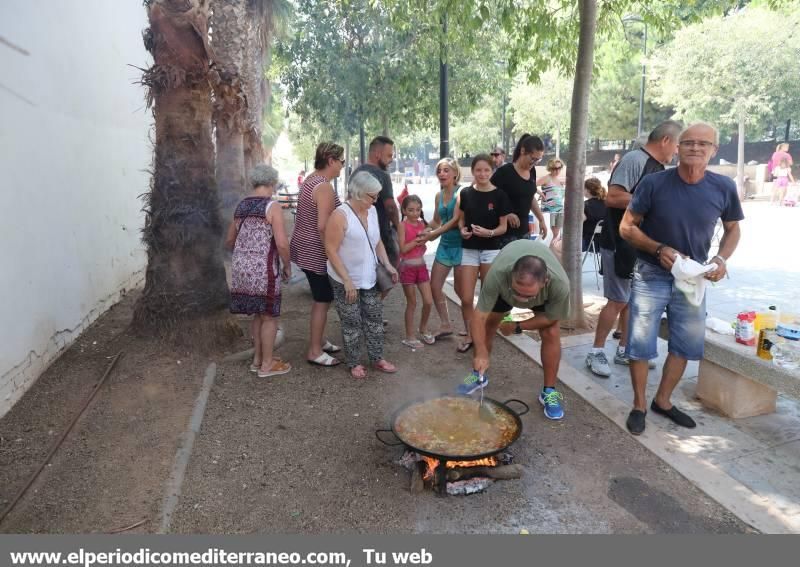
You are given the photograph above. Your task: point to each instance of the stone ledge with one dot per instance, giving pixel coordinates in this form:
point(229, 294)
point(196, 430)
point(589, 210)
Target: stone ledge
point(740, 359)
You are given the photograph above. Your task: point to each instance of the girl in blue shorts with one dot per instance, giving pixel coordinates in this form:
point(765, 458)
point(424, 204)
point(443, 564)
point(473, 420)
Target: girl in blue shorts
point(448, 253)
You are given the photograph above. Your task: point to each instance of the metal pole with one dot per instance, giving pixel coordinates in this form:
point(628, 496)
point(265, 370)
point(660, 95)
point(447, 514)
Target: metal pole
point(639, 128)
point(444, 130)
point(503, 134)
point(362, 151)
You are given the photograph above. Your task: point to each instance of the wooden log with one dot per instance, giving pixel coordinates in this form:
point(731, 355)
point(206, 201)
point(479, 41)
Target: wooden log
point(502, 472)
point(417, 483)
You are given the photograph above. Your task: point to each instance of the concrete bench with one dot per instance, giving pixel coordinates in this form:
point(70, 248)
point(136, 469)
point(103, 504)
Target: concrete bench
point(734, 381)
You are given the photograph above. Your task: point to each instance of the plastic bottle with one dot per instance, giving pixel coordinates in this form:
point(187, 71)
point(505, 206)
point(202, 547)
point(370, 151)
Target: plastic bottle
point(767, 335)
point(533, 229)
point(766, 319)
point(766, 340)
point(785, 350)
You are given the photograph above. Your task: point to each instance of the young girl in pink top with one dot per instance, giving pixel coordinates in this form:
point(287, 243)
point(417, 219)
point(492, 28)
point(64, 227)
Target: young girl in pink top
point(412, 235)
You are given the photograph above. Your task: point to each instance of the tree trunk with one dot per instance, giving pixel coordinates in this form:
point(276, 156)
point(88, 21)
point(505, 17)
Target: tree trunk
point(231, 168)
point(624, 145)
point(573, 210)
point(229, 23)
point(740, 155)
point(788, 128)
point(255, 86)
point(185, 275)
point(597, 144)
point(385, 124)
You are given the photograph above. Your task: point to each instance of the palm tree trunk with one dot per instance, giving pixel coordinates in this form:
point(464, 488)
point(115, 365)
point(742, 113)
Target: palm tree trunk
point(256, 87)
point(230, 101)
point(185, 275)
point(230, 170)
point(573, 211)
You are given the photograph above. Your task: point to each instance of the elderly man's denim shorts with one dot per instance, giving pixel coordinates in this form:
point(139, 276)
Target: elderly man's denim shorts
point(653, 291)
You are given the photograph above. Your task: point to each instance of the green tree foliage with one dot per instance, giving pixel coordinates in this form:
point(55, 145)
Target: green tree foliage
point(543, 107)
point(479, 131)
point(349, 62)
point(615, 90)
point(724, 68)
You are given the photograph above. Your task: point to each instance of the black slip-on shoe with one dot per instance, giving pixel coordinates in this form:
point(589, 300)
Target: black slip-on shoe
point(675, 415)
point(635, 421)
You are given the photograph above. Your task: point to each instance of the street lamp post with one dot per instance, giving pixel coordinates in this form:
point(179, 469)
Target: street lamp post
point(444, 118)
point(503, 138)
point(637, 18)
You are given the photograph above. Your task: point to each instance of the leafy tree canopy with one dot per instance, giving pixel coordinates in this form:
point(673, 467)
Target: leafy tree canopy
point(349, 62)
point(543, 107)
point(732, 66)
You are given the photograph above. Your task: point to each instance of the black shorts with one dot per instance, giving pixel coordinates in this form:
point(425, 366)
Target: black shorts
point(502, 307)
point(321, 289)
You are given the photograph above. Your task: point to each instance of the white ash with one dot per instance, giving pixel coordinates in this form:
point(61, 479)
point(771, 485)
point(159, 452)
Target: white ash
point(470, 486)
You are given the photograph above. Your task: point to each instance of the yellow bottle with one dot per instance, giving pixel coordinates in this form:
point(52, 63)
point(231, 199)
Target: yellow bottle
point(766, 335)
point(766, 338)
point(766, 319)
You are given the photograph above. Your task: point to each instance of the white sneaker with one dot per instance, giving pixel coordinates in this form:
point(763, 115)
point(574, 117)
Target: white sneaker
point(598, 364)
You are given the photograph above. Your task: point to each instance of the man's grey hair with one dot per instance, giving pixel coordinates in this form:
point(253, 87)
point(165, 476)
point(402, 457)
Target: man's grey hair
point(706, 125)
point(263, 174)
point(530, 267)
point(362, 183)
point(667, 129)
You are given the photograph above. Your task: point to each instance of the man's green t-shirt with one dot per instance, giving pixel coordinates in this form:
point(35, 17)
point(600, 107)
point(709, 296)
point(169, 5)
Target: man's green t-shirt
point(554, 295)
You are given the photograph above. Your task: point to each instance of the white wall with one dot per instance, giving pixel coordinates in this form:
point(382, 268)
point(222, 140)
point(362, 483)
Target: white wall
point(73, 150)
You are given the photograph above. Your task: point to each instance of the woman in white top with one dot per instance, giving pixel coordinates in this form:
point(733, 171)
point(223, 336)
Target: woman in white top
point(353, 243)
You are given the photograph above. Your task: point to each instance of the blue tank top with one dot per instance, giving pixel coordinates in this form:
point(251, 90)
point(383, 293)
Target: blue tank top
point(446, 211)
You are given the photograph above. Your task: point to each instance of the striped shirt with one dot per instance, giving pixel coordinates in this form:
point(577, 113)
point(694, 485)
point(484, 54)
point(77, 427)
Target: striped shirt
point(306, 247)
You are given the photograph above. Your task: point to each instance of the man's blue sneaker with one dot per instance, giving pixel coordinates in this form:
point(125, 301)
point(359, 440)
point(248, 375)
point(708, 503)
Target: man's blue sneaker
point(551, 400)
point(472, 383)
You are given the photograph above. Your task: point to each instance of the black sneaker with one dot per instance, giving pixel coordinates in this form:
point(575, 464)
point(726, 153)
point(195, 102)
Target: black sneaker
point(675, 415)
point(635, 421)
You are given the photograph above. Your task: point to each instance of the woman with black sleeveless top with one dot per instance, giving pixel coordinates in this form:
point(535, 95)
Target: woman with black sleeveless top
point(518, 181)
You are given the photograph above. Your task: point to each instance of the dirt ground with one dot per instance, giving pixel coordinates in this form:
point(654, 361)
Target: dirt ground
point(297, 453)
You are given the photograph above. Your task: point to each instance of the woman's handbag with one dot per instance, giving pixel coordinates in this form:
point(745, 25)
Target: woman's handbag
point(383, 278)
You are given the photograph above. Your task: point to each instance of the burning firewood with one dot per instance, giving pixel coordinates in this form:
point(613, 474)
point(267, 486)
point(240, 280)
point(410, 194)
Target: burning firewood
point(417, 482)
point(502, 472)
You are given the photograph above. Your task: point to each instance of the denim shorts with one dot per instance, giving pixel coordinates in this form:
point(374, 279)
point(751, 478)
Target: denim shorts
point(449, 256)
point(470, 257)
point(653, 291)
point(615, 288)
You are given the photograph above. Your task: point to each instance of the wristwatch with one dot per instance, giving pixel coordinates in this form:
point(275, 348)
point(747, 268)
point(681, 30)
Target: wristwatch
point(517, 328)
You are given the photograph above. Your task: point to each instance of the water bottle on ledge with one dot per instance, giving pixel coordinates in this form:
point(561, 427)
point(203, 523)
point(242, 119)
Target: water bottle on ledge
point(786, 347)
point(533, 228)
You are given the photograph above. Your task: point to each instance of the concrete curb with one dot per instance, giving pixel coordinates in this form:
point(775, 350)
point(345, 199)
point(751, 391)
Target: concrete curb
point(716, 483)
point(184, 453)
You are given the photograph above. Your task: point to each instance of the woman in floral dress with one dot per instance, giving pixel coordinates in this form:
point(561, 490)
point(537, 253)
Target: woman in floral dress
point(260, 258)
